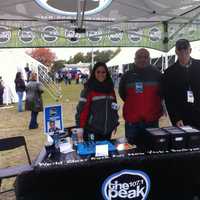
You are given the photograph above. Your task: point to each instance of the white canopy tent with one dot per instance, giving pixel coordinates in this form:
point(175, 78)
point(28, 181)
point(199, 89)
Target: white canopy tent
point(195, 49)
point(13, 61)
point(127, 55)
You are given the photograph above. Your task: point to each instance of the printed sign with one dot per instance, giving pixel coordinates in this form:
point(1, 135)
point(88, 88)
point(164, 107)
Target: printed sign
point(53, 120)
point(30, 34)
point(135, 35)
point(71, 36)
point(49, 34)
point(154, 34)
point(5, 34)
point(94, 35)
point(126, 184)
point(26, 35)
point(115, 35)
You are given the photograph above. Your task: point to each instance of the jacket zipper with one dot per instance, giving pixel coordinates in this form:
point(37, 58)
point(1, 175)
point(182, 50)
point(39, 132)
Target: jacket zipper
point(105, 127)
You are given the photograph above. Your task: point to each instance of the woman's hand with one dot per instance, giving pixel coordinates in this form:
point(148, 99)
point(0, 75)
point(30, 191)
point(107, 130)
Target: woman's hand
point(179, 123)
point(114, 132)
point(80, 132)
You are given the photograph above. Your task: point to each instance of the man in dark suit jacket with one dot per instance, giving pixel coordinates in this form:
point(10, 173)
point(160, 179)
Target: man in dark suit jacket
point(181, 86)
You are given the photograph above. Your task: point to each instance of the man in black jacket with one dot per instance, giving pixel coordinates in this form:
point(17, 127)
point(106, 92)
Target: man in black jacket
point(181, 86)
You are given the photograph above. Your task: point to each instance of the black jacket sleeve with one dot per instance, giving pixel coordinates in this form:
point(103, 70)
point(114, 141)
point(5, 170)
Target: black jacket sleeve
point(170, 99)
point(122, 87)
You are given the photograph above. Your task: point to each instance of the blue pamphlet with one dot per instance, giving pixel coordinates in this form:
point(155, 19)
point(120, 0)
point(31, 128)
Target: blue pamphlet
point(88, 148)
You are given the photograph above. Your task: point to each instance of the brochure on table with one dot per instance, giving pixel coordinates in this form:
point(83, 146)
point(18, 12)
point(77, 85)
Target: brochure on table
point(53, 119)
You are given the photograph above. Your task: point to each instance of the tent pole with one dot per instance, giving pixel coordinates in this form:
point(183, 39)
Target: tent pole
point(92, 58)
point(165, 43)
point(7, 96)
point(166, 61)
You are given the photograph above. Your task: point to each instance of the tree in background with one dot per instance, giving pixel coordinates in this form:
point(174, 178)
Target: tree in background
point(57, 65)
point(43, 55)
point(79, 57)
point(105, 56)
point(99, 56)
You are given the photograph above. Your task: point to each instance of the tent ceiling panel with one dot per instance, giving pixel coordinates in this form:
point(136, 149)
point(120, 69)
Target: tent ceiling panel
point(55, 23)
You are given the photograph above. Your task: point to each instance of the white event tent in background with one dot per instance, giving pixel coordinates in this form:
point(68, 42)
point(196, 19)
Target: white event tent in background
point(127, 55)
point(13, 61)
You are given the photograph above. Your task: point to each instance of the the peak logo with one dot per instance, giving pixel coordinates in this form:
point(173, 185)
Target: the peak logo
point(126, 184)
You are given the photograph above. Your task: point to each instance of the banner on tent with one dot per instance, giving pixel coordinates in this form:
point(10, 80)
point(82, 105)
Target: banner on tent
point(59, 37)
point(129, 36)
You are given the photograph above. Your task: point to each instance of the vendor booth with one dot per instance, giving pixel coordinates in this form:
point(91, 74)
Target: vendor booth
point(135, 173)
point(127, 172)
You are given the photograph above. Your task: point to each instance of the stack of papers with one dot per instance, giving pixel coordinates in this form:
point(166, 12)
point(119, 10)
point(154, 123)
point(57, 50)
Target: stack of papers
point(65, 147)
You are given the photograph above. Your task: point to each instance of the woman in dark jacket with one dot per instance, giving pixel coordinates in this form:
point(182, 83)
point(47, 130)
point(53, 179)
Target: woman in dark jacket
point(1, 91)
point(34, 99)
point(20, 88)
point(97, 110)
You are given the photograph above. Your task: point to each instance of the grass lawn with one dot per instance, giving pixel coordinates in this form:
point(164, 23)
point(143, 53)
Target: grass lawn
point(14, 124)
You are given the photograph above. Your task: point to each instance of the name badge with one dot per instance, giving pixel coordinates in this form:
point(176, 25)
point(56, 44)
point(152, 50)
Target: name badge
point(139, 87)
point(115, 106)
point(190, 96)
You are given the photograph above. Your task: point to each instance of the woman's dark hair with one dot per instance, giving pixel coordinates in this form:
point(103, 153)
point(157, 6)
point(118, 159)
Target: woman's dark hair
point(18, 75)
point(96, 66)
point(93, 84)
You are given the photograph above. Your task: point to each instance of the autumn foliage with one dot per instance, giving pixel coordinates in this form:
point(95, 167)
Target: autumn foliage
point(43, 55)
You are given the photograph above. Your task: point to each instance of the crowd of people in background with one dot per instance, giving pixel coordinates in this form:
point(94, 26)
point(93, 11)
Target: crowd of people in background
point(78, 77)
point(69, 75)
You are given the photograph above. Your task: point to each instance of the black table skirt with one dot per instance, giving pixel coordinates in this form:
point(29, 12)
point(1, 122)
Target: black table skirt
point(173, 176)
